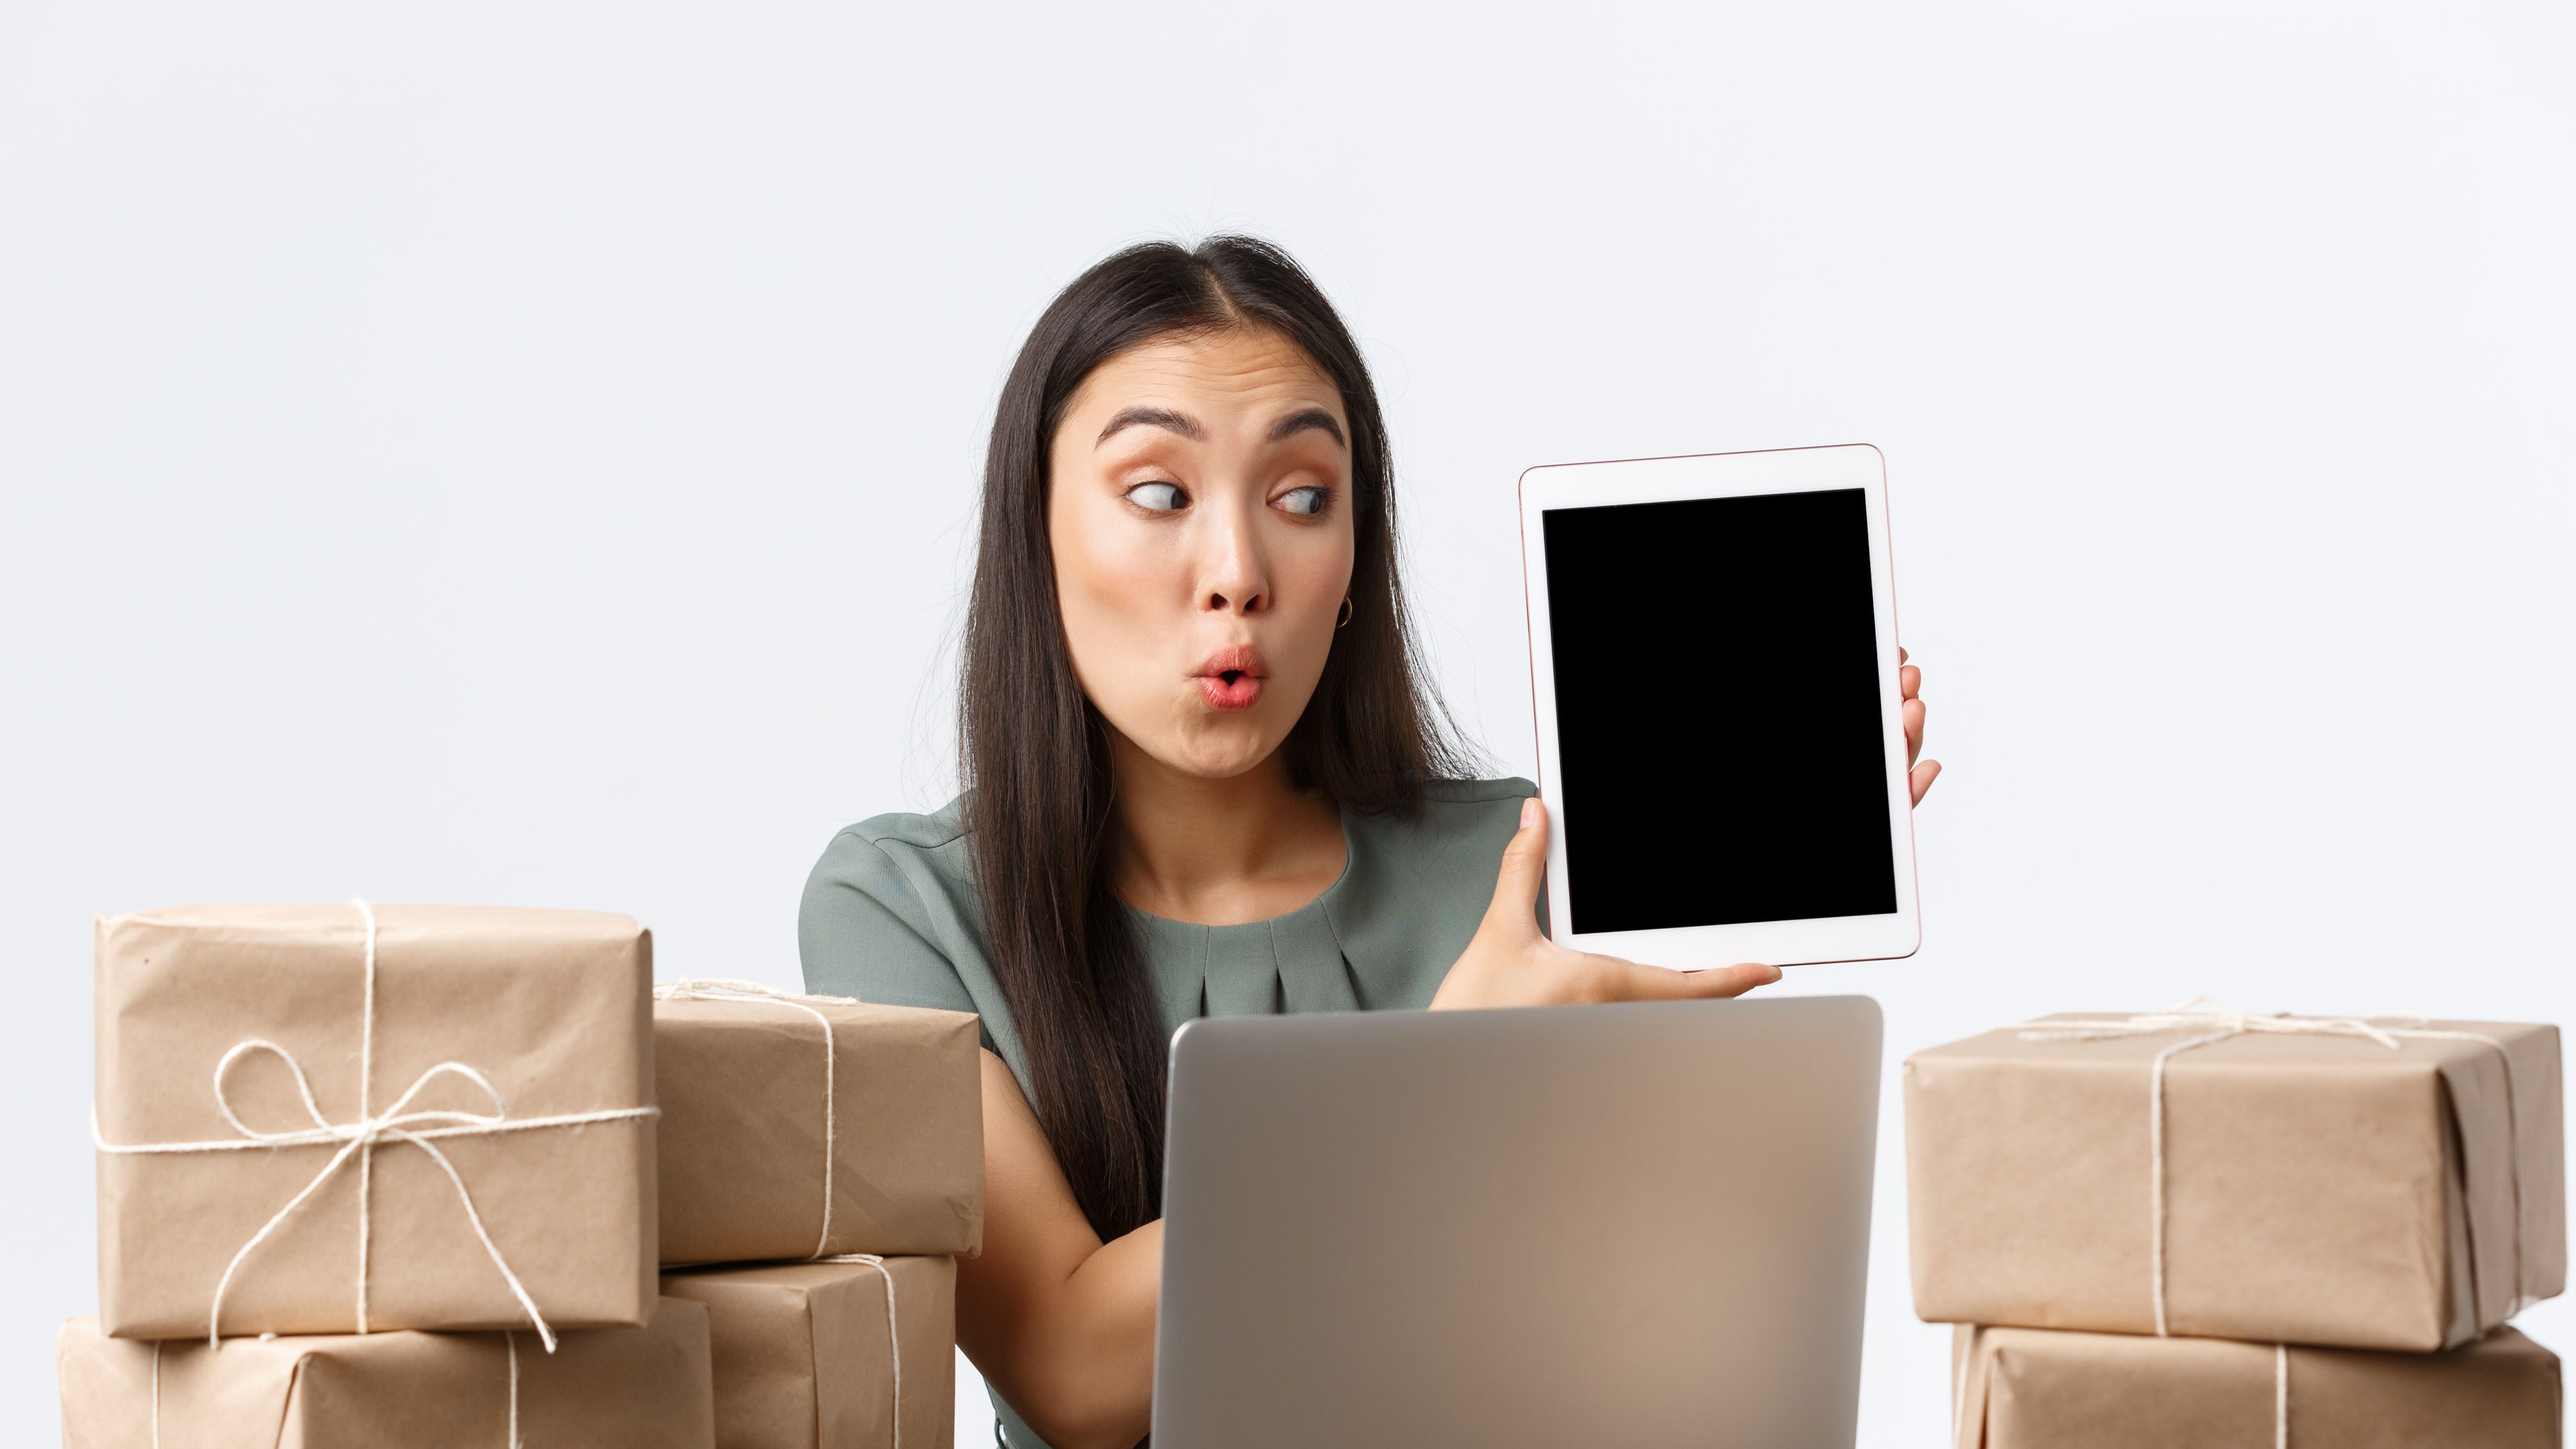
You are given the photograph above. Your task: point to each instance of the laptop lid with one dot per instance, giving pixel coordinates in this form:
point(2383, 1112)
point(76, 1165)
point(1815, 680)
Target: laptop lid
point(1638, 1224)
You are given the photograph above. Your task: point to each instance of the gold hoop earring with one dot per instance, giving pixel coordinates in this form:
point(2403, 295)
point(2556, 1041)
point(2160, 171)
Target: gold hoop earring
point(1344, 621)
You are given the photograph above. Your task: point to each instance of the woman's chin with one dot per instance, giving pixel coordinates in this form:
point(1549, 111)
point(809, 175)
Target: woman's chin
point(1228, 749)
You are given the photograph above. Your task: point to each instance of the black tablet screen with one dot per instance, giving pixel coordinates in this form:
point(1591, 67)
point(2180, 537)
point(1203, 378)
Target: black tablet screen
point(1717, 711)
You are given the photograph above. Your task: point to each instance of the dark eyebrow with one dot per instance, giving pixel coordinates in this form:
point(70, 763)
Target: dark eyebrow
point(1152, 418)
point(1316, 418)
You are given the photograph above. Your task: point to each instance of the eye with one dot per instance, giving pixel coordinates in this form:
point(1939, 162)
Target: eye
point(1305, 502)
point(1158, 497)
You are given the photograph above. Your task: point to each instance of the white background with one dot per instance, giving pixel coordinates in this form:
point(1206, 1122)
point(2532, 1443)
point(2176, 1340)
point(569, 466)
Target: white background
point(526, 453)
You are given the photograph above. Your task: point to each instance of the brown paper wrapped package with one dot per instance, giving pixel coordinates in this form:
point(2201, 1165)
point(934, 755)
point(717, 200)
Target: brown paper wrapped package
point(551, 1007)
point(637, 1388)
point(744, 1124)
point(802, 1358)
point(2030, 1388)
point(2318, 1189)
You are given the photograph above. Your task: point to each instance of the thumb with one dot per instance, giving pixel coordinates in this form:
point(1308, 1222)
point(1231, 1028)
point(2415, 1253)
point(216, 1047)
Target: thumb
point(1524, 870)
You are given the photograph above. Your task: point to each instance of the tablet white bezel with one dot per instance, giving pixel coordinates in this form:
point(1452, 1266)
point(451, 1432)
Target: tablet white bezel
point(1723, 475)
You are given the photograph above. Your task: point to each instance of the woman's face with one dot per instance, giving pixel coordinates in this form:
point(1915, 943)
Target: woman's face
point(1201, 520)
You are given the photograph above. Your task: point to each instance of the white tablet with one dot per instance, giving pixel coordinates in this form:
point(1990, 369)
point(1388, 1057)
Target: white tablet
point(1721, 742)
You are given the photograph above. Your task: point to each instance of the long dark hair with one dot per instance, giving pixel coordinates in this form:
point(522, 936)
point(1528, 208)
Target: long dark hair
point(1035, 755)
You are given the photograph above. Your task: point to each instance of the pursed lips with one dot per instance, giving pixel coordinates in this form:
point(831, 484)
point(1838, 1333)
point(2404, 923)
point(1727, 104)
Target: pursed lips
point(1230, 679)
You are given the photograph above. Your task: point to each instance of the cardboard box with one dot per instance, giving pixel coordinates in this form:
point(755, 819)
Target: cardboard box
point(2030, 1388)
point(2332, 1189)
point(806, 1354)
point(637, 1388)
point(239, 1047)
point(751, 1134)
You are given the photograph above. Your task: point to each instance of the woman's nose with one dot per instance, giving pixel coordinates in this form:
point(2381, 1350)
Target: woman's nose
point(1236, 578)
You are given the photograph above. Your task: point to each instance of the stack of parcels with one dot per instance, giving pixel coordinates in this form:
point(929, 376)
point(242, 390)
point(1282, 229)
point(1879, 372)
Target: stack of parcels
point(2208, 1229)
point(401, 1176)
point(378, 1175)
point(822, 1162)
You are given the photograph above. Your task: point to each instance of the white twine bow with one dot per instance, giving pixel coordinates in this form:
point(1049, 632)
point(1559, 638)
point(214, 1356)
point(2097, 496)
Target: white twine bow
point(359, 1140)
point(2212, 1024)
point(719, 989)
point(1967, 1359)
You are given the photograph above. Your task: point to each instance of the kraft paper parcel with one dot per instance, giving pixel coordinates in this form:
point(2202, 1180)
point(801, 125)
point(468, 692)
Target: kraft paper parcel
point(806, 1353)
point(746, 1121)
point(2316, 1189)
point(2032, 1388)
point(636, 1388)
point(513, 1046)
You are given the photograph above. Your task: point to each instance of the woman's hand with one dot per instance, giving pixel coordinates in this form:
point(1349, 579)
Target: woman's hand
point(1511, 964)
point(1909, 682)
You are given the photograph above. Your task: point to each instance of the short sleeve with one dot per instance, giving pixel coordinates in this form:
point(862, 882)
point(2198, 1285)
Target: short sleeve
point(863, 931)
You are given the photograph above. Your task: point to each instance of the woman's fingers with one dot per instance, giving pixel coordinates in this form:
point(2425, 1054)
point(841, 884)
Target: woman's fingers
point(1524, 870)
point(1731, 980)
point(1655, 983)
point(1909, 684)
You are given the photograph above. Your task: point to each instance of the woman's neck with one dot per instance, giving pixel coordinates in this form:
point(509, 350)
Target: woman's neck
point(1219, 852)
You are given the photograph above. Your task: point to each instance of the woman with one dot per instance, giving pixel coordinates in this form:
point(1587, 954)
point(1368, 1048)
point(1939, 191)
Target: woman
point(1205, 777)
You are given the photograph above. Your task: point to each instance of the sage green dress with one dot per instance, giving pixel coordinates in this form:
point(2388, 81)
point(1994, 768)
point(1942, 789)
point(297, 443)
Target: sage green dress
point(890, 916)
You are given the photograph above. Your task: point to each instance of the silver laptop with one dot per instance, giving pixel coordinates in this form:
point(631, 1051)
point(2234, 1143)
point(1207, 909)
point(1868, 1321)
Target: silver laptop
point(1596, 1225)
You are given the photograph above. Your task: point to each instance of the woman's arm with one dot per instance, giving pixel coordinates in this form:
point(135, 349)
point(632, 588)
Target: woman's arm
point(1061, 1323)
